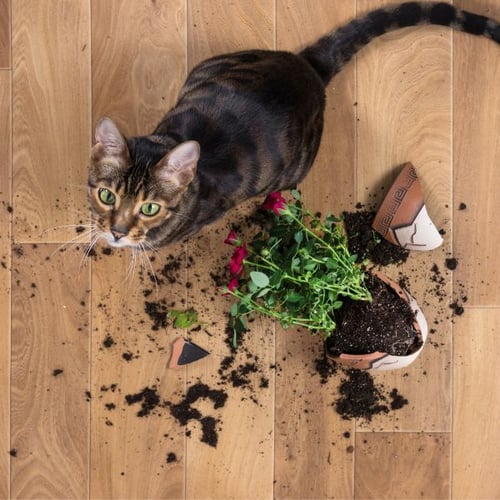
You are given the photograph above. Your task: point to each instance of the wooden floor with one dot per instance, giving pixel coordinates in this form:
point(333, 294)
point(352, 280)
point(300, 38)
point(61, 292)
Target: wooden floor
point(423, 95)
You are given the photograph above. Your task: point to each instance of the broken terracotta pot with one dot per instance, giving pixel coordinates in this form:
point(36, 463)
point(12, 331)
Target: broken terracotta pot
point(185, 352)
point(382, 361)
point(402, 218)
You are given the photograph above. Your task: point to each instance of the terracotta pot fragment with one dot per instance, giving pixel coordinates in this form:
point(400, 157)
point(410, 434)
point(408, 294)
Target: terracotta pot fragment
point(402, 218)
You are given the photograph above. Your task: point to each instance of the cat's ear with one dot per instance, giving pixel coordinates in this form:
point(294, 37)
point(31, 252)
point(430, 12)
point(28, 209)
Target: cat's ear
point(108, 140)
point(178, 166)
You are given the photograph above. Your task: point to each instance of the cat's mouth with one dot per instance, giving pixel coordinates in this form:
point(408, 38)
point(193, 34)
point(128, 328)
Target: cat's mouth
point(122, 242)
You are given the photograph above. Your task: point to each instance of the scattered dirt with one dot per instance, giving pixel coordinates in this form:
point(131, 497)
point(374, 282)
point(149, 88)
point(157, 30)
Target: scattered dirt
point(241, 373)
point(184, 410)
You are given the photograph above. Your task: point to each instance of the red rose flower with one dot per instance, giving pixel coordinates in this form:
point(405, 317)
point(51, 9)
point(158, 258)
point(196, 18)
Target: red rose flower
point(236, 264)
point(274, 202)
point(232, 239)
point(233, 284)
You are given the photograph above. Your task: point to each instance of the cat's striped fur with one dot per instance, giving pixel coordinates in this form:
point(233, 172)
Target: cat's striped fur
point(245, 124)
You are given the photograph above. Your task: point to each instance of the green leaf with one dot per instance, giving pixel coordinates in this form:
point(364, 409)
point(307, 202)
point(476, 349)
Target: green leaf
point(296, 194)
point(263, 292)
point(299, 237)
point(310, 266)
point(234, 309)
point(183, 319)
point(259, 279)
point(293, 297)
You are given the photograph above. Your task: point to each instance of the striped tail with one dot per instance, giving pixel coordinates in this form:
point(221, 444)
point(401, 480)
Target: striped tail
point(333, 51)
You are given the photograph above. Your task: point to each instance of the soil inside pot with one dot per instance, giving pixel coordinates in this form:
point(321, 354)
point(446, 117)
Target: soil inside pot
point(385, 324)
point(364, 242)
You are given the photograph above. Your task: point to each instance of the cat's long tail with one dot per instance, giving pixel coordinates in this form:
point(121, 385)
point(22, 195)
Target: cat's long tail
point(331, 52)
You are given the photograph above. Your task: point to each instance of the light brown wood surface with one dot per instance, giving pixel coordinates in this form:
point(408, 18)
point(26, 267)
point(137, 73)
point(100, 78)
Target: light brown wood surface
point(5, 236)
point(424, 95)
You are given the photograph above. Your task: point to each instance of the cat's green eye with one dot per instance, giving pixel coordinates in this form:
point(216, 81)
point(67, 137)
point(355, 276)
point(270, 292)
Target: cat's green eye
point(106, 196)
point(150, 209)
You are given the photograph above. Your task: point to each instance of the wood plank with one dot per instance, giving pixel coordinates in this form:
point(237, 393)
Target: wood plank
point(242, 463)
point(49, 411)
point(404, 114)
point(138, 66)
point(476, 150)
point(51, 118)
point(4, 33)
point(138, 61)
point(401, 465)
point(130, 354)
point(476, 405)
point(303, 406)
point(220, 26)
point(336, 156)
point(5, 235)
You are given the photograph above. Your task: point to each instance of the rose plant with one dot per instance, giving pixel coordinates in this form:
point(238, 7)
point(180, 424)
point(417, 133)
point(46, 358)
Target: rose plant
point(297, 269)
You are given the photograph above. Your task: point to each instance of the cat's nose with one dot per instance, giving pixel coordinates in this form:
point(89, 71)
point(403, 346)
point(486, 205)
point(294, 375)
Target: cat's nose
point(118, 232)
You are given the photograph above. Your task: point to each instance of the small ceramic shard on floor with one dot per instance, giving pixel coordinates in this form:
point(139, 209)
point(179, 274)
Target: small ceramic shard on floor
point(185, 352)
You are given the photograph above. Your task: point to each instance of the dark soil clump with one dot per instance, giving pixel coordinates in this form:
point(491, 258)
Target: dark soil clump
point(451, 263)
point(157, 312)
point(364, 242)
point(108, 341)
point(148, 398)
point(397, 400)
point(184, 411)
point(359, 396)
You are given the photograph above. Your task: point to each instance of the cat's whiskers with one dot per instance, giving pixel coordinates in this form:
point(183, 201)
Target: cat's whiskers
point(146, 262)
point(78, 239)
point(132, 266)
point(88, 250)
point(69, 226)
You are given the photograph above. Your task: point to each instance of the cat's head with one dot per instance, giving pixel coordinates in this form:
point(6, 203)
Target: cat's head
point(136, 195)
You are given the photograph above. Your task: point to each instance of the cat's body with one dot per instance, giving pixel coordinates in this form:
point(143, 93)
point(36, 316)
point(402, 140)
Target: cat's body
point(245, 124)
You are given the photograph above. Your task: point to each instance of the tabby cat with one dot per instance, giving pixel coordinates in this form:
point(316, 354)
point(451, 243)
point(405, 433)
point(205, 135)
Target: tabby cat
point(245, 124)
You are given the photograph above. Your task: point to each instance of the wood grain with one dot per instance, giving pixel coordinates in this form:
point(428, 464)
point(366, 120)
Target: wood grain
point(138, 66)
point(303, 405)
point(50, 50)
point(402, 465)
point(138, 61)
point(404, 114)
point(49, 411)
point(4, 33)
point(131, 458)
point(220, 26)
point(242, 463)
point(330, 184)
point(476, 405)
point(477, 177)
point(5, 236)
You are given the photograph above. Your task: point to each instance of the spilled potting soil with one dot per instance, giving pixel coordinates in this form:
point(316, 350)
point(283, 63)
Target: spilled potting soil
point(242, 373)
